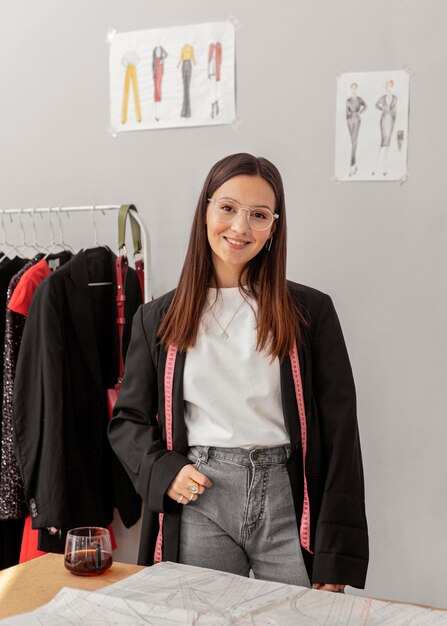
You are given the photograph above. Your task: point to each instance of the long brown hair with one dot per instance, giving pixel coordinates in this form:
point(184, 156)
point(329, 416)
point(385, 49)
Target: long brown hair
point(279, 319)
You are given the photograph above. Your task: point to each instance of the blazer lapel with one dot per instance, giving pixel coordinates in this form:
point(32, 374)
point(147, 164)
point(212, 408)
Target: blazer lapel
point(82, 316)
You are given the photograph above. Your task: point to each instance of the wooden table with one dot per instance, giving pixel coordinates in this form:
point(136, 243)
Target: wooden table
point(27, 586)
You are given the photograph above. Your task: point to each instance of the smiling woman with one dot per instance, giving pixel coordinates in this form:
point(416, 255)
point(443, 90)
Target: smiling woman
point(239, 223)
point(226, 252)
point(236, 418)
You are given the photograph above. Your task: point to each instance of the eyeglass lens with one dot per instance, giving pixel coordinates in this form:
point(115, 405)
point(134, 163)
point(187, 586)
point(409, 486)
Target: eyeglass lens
point(259, 219)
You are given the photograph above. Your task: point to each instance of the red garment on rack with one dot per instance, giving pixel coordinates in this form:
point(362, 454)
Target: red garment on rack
point(23, 294)
point(30, 538)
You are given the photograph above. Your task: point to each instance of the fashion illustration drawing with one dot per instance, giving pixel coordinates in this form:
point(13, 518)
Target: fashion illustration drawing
point(388, 105)
point(214, 63)
point(130, 62)
point(354, 108)
point(187, 59)
point(159, 55)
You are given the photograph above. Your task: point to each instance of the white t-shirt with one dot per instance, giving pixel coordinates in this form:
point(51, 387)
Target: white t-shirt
point(232, 392)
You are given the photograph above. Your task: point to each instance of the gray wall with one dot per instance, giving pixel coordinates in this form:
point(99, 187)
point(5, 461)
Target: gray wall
point(378, 249)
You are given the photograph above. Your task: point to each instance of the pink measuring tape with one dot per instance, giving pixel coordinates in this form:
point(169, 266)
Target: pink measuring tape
point(296, 373)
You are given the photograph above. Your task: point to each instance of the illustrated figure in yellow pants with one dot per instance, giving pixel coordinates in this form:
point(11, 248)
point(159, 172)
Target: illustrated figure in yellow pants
point(130, 62)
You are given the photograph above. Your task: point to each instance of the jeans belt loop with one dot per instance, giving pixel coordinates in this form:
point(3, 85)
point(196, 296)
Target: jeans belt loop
point(204, 454)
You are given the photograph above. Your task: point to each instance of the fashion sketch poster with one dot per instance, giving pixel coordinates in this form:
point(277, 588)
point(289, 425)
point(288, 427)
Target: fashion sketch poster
point(372, 126)
point(177, 76)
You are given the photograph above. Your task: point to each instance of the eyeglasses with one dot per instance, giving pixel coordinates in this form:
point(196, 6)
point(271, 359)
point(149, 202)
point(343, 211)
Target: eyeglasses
point(227, 209)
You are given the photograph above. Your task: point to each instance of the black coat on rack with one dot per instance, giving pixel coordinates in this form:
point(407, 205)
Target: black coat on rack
point(68, 359)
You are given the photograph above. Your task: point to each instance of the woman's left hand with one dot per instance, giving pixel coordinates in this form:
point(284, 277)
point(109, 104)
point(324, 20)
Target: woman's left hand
point(324, 587)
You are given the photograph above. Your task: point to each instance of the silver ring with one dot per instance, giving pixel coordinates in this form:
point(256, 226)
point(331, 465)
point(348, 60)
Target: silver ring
point(190, 497)
point(180, 498)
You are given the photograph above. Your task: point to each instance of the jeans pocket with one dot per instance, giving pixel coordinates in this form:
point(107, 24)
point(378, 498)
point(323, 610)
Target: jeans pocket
point(195, 459)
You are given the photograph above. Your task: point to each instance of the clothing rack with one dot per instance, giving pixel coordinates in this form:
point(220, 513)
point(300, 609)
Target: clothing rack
point(145, 241)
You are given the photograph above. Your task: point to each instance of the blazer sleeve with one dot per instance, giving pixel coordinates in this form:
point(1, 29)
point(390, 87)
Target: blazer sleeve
point(134, 432)
point(38, 412)
point(341, 537)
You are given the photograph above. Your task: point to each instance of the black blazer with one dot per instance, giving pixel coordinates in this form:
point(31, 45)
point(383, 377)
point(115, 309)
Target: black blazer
point(338, 530)
point(67, 360)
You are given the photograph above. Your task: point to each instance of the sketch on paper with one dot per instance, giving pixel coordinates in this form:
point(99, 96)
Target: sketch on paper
point(172, 77)
point(186, 61)
point(214, 63)
point(354, 109)
point(168, 594)
point(130, 61)
point(372, 126)
point(159, 55)
point(388, 105)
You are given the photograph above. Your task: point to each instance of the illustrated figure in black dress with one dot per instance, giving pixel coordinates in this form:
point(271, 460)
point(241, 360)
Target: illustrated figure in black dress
point(354, 108)
point(388, 105)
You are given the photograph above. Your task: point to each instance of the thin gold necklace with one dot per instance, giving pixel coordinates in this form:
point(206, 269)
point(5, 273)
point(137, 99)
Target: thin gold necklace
point(224, 333)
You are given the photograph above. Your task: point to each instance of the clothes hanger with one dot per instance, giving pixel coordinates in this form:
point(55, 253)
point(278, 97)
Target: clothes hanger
point(12, 247)
point(62, 243)
point(38, 246)
point(53, 245)
point(25, 246)
point(97, 245)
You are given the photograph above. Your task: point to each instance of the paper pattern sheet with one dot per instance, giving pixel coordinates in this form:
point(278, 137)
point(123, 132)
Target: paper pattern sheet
point(372, 126)
point(169, 594)
point(177, 76)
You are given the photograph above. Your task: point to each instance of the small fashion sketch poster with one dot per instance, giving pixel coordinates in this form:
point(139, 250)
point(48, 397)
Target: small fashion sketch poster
point(372, 126)
point(168, 77)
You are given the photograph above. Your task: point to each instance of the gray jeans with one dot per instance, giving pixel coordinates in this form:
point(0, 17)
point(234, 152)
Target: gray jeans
point(247, 519)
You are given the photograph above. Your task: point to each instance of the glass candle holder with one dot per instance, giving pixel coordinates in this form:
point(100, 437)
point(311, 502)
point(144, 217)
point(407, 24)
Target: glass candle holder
point(88, 551)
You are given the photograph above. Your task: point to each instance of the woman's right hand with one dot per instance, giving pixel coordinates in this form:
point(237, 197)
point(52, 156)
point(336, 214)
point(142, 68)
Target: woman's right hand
point(179, 489)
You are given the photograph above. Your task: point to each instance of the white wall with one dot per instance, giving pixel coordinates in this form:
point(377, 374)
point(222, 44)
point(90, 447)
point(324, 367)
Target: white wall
point(378, 249)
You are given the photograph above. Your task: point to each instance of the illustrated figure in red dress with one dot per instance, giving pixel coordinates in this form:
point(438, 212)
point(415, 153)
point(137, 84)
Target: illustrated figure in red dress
point(159, 55)
point(214, 63)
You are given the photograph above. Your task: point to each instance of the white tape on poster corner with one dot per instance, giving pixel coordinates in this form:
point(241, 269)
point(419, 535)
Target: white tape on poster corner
point(111, 34)
point(236, 23)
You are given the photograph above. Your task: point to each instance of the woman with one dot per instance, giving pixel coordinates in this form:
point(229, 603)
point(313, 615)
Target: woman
point(219, 413)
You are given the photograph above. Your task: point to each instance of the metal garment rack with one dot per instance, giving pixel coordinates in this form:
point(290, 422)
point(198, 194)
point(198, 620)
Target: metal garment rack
point(145, 241)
